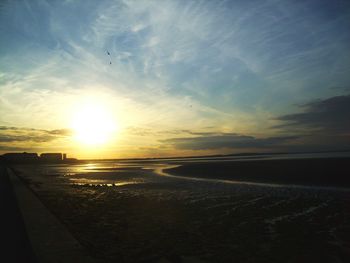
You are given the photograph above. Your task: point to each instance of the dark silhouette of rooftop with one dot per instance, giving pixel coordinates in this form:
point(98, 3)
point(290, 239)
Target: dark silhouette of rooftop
point(34, 158)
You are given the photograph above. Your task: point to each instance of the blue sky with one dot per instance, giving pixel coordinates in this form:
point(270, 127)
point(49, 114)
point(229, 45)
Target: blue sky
point(179, 69)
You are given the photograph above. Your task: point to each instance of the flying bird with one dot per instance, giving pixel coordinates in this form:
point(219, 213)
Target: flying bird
point(109, 54)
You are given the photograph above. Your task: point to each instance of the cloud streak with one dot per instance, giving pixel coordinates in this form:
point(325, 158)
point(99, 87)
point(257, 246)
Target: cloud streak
point(322, 124)
point(177, 66)
point(329, 116)
point(228, 141)
point(16, 134)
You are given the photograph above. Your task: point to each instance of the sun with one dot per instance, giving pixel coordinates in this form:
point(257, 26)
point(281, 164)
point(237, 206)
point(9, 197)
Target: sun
point(93, 124)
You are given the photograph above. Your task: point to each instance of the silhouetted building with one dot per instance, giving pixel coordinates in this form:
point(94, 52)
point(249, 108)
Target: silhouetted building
point(21, 157)
point(33, 158)
point(51, 157)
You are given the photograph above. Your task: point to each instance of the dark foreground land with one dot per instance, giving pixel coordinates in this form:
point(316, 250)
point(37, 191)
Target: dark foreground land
point(126, 212)
point(312, 171)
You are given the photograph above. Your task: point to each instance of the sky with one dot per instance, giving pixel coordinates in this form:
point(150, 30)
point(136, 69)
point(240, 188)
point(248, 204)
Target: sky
point(174, 78)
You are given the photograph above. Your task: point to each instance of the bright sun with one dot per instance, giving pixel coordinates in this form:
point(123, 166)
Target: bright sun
point(93, 124)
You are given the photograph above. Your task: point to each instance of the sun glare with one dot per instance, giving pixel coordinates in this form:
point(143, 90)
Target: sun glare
point(93, 124)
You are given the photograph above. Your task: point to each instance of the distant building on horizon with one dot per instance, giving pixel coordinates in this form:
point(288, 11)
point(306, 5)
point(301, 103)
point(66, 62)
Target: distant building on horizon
point(51, 157)
point(34, 158)
point(23, 157)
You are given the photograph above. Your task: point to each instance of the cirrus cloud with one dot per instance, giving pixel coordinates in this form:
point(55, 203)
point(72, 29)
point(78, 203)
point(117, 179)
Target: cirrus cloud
point(322, 116)
point(228, 140)
point(17, 134)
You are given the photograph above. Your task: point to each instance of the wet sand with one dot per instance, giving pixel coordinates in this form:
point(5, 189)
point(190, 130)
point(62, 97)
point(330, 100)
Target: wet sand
point(326, 172)
point(126, 212)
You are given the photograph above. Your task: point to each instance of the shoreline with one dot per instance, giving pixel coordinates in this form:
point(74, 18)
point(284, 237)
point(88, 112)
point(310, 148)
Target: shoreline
point(324, 172)
point(170, 220)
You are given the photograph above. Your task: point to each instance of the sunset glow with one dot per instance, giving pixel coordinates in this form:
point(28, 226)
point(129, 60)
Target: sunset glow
point(175, 130)
point(134, 79)
point(93, 125)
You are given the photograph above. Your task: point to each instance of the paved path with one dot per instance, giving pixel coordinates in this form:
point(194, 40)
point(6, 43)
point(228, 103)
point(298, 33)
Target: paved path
point(15, 246)
point(50, 239)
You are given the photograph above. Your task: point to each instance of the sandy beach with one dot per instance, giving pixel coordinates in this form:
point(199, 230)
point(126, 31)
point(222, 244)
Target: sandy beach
point(128, 212)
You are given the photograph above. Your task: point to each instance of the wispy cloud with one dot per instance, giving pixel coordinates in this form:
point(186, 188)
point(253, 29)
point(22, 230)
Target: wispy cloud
point(175, 65)
point(322, 124)
point(16, 134)
point(229, 141)
point(328, 116)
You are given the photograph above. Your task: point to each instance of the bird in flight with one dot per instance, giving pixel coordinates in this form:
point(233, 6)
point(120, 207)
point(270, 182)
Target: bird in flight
point(109, 54)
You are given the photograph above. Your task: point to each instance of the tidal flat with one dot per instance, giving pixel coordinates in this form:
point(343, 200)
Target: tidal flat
point(139, 212)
